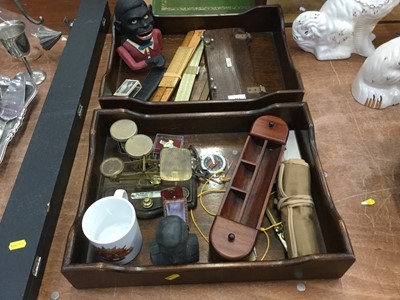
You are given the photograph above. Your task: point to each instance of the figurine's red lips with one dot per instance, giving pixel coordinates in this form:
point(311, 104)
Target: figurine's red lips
point(146, 35)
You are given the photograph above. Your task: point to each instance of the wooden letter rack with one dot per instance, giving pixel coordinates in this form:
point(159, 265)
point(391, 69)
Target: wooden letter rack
point(234, 230)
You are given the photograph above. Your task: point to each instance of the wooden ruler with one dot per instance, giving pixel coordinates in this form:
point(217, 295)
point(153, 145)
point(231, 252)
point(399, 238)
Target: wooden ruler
point(189, 76)
point(177, 66)
point(201, 88)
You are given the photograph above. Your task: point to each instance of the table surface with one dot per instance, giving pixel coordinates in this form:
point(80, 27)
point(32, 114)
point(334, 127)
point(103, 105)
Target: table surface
point(358, 149)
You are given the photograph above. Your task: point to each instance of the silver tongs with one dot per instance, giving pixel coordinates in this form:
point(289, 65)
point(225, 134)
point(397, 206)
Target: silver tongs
point(13, 101)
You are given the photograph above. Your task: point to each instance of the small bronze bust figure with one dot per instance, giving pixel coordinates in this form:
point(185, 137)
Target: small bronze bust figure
point(174, 244)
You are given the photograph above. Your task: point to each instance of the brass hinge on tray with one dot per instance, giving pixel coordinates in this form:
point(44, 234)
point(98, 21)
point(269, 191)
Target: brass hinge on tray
point(259, 89)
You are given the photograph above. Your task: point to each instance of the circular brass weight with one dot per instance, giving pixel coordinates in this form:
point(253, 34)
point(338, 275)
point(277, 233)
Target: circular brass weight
point(147, 202)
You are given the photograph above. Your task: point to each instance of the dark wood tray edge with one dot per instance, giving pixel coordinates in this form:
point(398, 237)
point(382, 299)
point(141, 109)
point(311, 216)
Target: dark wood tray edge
point(321, 266)
point(165, 23)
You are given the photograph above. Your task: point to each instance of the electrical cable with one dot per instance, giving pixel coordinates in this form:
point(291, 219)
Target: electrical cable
point(264, 230)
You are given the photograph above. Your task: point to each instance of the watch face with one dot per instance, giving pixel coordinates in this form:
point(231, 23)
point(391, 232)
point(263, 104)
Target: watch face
point(213, 163)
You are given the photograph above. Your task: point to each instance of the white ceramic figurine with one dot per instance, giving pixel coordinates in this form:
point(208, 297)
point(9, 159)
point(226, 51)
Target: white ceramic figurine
point(377, 84)
point(340, 27)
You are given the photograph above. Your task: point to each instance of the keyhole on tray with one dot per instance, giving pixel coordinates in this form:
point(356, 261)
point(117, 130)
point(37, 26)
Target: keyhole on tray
point(231, 237)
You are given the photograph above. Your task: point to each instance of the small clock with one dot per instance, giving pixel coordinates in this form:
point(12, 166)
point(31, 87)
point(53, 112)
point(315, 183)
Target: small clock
point(213, 163)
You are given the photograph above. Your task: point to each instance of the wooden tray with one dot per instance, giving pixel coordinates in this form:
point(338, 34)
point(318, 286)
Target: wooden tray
point(190, 7)
point(225, 133)
point(272, 64)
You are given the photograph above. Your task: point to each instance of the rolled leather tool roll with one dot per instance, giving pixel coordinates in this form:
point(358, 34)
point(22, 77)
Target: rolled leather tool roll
point(297, 208)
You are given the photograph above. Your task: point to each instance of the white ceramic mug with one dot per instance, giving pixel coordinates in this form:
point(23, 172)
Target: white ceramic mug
point(111, 225)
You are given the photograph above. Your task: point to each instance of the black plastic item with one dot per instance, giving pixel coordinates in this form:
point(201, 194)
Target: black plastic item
point(32, 211)
point(150, 83)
